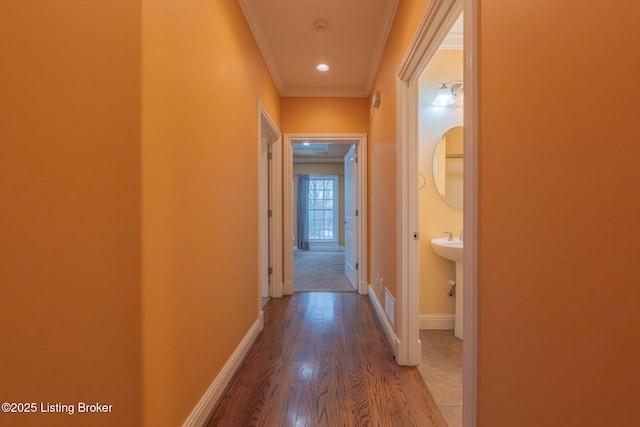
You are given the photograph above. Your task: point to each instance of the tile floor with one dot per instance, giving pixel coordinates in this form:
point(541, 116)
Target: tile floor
point(442, 372)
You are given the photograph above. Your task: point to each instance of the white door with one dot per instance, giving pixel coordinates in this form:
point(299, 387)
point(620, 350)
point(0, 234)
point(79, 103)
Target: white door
point(263, 170)
point(350, 216)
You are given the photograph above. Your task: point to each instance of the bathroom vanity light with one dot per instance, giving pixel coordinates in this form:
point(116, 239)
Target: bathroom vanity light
point(448, 96)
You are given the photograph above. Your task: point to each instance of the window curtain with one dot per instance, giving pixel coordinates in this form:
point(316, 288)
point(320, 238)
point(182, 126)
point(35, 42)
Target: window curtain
point(302, 231)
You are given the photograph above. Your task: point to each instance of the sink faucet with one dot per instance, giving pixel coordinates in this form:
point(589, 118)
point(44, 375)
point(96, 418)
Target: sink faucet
point(450, 235)
point(461, 235)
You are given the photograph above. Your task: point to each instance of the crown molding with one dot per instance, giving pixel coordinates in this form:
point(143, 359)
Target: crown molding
point(381, 41)
point(251, 15)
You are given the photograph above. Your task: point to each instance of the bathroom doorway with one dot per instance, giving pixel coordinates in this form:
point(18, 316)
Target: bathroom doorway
point(433, 29)
point(440, 215)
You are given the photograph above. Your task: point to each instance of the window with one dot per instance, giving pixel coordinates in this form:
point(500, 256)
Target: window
point(323, 208)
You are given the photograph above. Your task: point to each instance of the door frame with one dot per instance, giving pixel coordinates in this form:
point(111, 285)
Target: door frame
point(434, 26)
point(287, 185)
point(267, 125)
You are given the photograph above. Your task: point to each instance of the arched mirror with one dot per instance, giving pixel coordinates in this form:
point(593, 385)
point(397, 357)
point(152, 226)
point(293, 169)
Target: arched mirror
point(447, 167)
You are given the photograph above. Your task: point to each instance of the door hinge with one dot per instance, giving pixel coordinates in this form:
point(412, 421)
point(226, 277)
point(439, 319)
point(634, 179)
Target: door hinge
point(356, 265)
point(356, 212)
point(270, 270)
point(356, 159)
point(269, 213)
point(269, 155)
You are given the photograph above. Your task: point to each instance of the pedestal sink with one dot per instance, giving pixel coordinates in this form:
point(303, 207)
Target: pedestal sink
point(452, 251)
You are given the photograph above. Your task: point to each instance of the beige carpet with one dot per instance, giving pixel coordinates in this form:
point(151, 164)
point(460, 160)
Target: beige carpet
point(319, 272)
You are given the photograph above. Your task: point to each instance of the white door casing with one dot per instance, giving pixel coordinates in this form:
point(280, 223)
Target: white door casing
point(350, 218)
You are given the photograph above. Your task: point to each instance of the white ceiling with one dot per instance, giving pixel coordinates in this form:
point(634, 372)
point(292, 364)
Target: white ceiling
point(352, 43)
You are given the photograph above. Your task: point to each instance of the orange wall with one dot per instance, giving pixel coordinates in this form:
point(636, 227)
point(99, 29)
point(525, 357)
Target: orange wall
point(70, 217)
point(325, 115)
point(559, 216)
point(382, 147)
point(203, 74)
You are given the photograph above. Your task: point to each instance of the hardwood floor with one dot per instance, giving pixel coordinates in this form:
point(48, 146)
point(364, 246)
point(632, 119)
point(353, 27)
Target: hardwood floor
point(322, 360)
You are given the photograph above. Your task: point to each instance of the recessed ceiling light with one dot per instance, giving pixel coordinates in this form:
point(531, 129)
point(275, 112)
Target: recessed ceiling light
point(322, 67)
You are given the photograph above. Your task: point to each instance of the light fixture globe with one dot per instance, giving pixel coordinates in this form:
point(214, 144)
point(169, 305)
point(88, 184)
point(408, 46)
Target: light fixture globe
point(444, 97)
point(322, 67)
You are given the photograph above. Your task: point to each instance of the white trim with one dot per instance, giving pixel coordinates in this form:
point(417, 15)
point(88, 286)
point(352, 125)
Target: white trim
point(199, 415)
point(438, 18)
point(389, 333)
point(287, 183)
point(276, 206)
point(436, 322)
point(320, 246)
point(433, 29)
point(266, 122)
point(470, 225)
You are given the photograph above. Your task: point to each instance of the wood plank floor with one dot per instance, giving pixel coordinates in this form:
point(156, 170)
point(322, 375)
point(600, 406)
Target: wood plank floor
point(322, 360)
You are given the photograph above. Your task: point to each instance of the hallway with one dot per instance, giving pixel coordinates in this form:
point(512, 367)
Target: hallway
point(322, 360)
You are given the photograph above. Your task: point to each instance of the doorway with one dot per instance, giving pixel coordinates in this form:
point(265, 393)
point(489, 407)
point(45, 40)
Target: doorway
point(440, 203)
point(347, 227)
point(323, 212)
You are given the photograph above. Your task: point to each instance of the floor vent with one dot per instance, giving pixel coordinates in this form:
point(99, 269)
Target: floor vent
point(390, 307)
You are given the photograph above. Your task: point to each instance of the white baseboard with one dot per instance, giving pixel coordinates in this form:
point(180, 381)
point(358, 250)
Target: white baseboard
point(363, 288)
point(437, 321)
point(389, 333)
point(201, 412)
point(325, 247)
point(322, 247)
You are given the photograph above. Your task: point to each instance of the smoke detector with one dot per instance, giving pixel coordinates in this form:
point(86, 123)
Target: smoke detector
point(320, 25)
